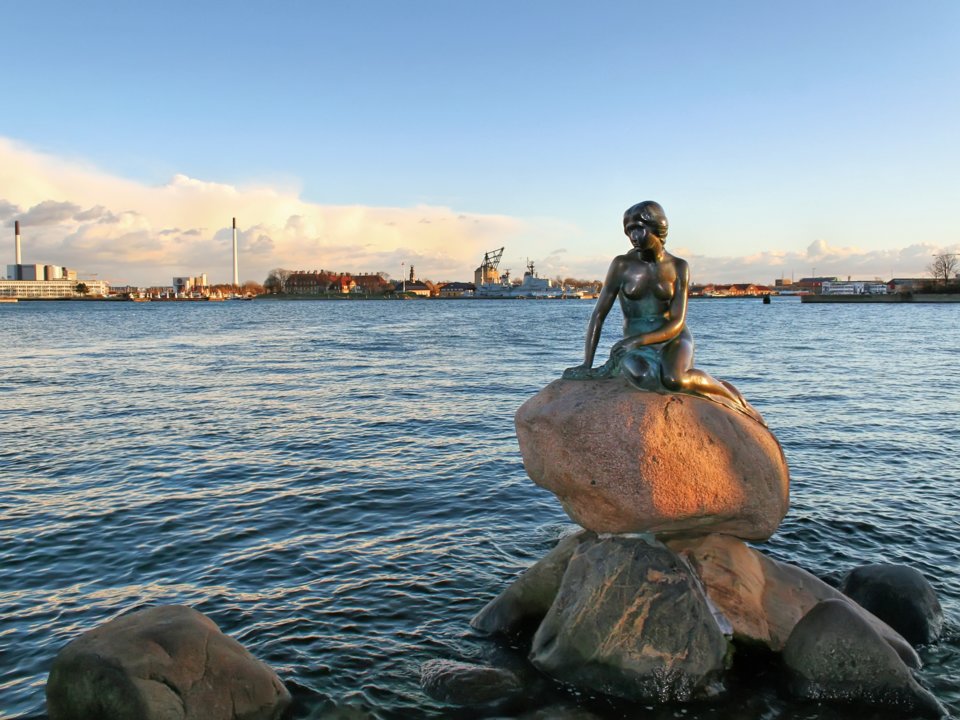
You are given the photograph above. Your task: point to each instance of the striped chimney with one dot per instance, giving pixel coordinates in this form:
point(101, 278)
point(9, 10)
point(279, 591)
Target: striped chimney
point(236, 272)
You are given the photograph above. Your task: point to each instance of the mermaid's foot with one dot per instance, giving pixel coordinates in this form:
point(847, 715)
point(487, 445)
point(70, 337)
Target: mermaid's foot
point(744, 406)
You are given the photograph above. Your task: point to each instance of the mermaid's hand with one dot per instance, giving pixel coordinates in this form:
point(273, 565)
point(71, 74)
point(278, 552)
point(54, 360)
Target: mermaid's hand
point(617, 352)
point(580, 372)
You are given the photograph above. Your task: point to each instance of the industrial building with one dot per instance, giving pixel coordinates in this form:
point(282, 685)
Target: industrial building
point(43, 282)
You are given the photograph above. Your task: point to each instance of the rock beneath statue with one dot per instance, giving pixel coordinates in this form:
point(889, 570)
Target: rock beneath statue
point(764, 599)
point(833, 653)
point(526, 601)
point(168, 662)
point(621, 460)
point(461, 683)
point(630, 620)
point(900, 596)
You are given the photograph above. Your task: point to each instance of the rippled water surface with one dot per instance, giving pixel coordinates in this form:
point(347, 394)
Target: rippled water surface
point(338, 484)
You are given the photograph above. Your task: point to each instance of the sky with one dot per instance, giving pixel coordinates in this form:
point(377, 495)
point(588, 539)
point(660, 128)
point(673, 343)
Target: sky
point(783, 139)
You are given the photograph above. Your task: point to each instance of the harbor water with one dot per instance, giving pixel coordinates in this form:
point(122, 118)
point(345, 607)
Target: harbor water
point(338, 484)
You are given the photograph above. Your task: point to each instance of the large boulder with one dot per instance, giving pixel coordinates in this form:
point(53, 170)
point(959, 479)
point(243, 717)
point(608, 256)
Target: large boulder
point(833, 653)
point(162, 663)
point(900, 596)
point(525, 601)
point(622, 460)
point(630, 620)
point(764, 599)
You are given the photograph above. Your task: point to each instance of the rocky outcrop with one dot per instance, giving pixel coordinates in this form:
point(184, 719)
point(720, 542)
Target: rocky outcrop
point(900, 596)
point(833, 653)
point(461, 683)
point(622, 460)
point(630, 620)
point(764, 599)
point(649, 601)
point(163, 663)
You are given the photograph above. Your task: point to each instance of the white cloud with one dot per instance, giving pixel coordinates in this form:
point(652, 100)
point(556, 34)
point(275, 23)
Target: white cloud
point(128, 232)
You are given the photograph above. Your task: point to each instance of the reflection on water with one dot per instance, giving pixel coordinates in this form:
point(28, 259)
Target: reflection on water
point(338, 484)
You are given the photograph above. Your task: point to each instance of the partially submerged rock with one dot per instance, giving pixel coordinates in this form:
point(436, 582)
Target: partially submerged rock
point(621, 460)
point(764, 599)
point(900, 596)
point(630, 620)
point(163, 663)
point(527, 599)
point(461, 683)
point(834, 653)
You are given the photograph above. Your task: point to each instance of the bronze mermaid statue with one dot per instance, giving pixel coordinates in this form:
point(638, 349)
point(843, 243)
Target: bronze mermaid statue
point(656, 352)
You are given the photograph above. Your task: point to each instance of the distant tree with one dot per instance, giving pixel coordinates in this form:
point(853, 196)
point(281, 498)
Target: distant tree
point(221, 289)
point(81, 288)
point(251, 287)
point(581, 284)
point(276, 281)
point(944, 266)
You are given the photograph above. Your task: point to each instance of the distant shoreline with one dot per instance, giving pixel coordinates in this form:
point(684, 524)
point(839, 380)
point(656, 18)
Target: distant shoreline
point(892, 299)
point(888, 299)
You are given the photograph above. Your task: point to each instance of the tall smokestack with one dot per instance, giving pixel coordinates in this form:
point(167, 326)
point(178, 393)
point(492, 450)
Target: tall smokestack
point(16, 232)
point(236, 273)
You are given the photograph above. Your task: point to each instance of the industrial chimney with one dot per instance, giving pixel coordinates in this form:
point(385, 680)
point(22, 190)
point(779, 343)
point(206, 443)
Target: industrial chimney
point(17, 259)
point(236, 273)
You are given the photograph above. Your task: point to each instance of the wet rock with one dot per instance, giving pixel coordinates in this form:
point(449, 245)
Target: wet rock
point(900, 596)
point(557, 712)
point(461, 683)
point(621, 460)
point(833, 653)
point(764, 599)
point(630, 620)
point(163, 663)
point(529, 597)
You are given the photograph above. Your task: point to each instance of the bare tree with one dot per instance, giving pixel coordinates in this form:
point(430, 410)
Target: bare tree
point(944, 266)
point(276, 281)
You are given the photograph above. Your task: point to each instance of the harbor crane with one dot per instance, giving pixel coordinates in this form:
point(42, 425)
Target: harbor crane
point(488, 272)
point(491, 261)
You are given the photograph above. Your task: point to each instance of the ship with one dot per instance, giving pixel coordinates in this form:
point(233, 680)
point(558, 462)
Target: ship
point(490, 283)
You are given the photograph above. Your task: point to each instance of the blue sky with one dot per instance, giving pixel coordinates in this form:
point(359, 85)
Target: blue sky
point(780, 137)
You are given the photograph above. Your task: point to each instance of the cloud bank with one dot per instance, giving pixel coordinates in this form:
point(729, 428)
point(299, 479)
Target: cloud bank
point(125, 232)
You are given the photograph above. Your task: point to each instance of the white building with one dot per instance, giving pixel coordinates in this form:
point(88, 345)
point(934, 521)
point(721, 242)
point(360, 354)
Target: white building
point(853, 287)
point(50, 289)
point(187, 285)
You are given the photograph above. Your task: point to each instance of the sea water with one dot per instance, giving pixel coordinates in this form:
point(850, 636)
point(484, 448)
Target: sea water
point(338, 484)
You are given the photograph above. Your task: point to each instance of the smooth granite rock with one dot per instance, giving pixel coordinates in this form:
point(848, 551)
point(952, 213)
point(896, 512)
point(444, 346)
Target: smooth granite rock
point(528, 598)
point(833, 653)
point(764, 599)
point(461, 683)
point(622, 460)
point(163, 663)
point(630, 620)
point(900, 596)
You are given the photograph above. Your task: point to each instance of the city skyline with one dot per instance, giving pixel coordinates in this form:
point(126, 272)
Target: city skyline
point(782, 141)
